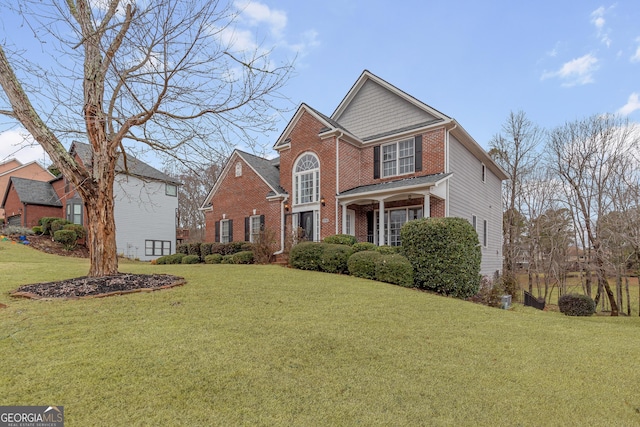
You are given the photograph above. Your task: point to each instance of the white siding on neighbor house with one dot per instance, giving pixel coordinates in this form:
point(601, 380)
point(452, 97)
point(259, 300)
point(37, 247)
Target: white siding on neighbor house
point(143, 212)
point(376, 110)
point(469, 196)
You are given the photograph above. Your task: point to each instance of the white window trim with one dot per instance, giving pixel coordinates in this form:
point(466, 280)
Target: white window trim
point(397, 159)
point(173, 192)
point(224, 222)
point(315, 182)
point(387, 234)
point(253, 236)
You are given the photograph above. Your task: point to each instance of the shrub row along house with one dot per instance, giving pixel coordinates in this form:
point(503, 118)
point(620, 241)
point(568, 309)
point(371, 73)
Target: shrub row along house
point(381, 159)
point(146, 201)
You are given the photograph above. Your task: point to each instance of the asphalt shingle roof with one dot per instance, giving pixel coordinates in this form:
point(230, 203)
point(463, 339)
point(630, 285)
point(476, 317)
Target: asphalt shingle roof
point(266, 168)
point(134, 166)
point(401, 183)
point(35, 192)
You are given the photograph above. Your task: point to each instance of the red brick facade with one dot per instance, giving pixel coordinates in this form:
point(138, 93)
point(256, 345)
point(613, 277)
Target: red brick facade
point(236, 197)
point(29, 214)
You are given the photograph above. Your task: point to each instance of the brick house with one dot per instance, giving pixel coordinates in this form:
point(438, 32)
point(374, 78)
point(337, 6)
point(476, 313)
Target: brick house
point(13, 167)
point(145, 205)
point(381, 151)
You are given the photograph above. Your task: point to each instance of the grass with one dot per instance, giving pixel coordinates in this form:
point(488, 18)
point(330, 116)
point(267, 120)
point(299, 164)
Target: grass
point(266, 345)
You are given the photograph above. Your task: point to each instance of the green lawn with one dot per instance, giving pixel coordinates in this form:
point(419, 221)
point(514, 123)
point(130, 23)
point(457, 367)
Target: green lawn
point(266, 345)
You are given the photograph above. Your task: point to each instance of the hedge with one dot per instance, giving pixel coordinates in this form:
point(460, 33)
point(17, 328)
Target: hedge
point(341, 239)
point(363, 264)
point(306, 256)
point(394, 268)
point(213, 259)
point(171, 259)
point(68, 238)
point(190, 259)
point(445, 254)
point(334, 258)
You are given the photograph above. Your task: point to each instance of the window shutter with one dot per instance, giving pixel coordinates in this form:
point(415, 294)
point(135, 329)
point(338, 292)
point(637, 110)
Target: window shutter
point(217, 238)
point(231, 230)
point(376, 162)
point(417, 149)
point(247, 228)
point(261, 222)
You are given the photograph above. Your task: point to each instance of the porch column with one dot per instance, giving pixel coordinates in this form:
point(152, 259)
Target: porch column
point(381, 223)
point(427, 205)
point(344, 218)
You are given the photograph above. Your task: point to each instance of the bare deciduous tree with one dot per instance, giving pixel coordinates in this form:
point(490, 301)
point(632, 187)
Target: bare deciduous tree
point(515, 151)
point(127, 75)
point(592, 157)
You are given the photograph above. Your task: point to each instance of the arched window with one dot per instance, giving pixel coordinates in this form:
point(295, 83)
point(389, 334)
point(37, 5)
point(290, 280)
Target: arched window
point(306, 180)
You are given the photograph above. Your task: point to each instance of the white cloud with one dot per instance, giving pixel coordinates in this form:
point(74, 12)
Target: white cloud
point(636, 56)
point(597, 19)
point(256, 13)
point(19, 144)
point(633, 104)
point(578, 71)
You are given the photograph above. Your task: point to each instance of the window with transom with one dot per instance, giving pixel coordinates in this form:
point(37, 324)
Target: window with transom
point(306, 180)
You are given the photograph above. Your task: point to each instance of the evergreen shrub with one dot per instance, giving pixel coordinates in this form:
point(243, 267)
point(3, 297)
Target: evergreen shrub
point(306, 256)
point(190, 259)
point(394, 268)
point(334, 258)
point(364, 246)
point(576, 305)
point(363, 264)
point(213, 259)
point(445, 254)
point(341, 239)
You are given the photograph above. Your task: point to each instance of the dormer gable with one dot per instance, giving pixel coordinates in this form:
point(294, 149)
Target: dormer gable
point(374, 108)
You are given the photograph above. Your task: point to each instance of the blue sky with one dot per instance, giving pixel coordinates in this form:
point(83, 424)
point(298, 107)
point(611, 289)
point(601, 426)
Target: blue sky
point(473, 60)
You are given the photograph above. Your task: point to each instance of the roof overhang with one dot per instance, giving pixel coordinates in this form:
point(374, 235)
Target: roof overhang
point(387, 190)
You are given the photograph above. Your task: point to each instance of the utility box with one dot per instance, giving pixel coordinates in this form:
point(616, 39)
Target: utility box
point(505, 302)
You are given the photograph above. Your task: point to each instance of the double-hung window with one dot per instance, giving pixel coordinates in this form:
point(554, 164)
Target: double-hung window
point(224, 231)
point(306, 179)
point(74, 211)
point(255, 226)
point(398, 158)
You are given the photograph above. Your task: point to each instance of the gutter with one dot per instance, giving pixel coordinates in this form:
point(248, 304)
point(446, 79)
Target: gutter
point(337, 177)
point(282, 225)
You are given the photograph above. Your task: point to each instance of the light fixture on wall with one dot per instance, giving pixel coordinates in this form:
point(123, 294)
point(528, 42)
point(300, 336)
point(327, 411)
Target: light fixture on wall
point(286, 207)
point(323, 202)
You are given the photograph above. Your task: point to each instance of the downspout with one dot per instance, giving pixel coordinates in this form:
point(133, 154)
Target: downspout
point(282, 225)
point(338, 178)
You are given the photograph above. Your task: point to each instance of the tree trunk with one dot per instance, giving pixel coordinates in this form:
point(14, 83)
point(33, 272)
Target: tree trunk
point(626, 285)
point(101, 229)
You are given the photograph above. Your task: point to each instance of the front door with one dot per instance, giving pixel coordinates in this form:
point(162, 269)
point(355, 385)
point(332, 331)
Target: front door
point(306, 223)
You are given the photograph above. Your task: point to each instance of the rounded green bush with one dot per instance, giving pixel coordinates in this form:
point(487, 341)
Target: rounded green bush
point(576, 305)
point(445, 254)
point(59, 224)
point(45, 222)
point(394, 268)
point(334, 258)
point(227, 259)
point(182, 248)
point(242, 257)
point(37, 229)
point(341, 239)
point(190, 259)
point(388, 250)
point(80, 231)
point(213, 259)
point(194, 249)
point(205, 250)
point(171, 259)
point(66, 237)
point(364, 246)
point(306, 256)
point(363, 264)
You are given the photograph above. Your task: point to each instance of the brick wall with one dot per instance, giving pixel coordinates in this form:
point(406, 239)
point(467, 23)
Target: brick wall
point(29, 214)
point(237, 197)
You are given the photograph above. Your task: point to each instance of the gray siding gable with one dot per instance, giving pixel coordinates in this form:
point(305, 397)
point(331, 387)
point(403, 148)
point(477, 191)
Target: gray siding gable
point(375, 110)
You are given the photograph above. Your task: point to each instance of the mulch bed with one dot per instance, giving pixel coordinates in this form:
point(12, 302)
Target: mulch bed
point(97, 287)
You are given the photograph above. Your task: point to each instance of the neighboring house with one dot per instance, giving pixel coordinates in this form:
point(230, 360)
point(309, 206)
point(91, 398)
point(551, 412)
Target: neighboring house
point(26, 201)
point(381, 151)
point(13, 167)
point(145, 205)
